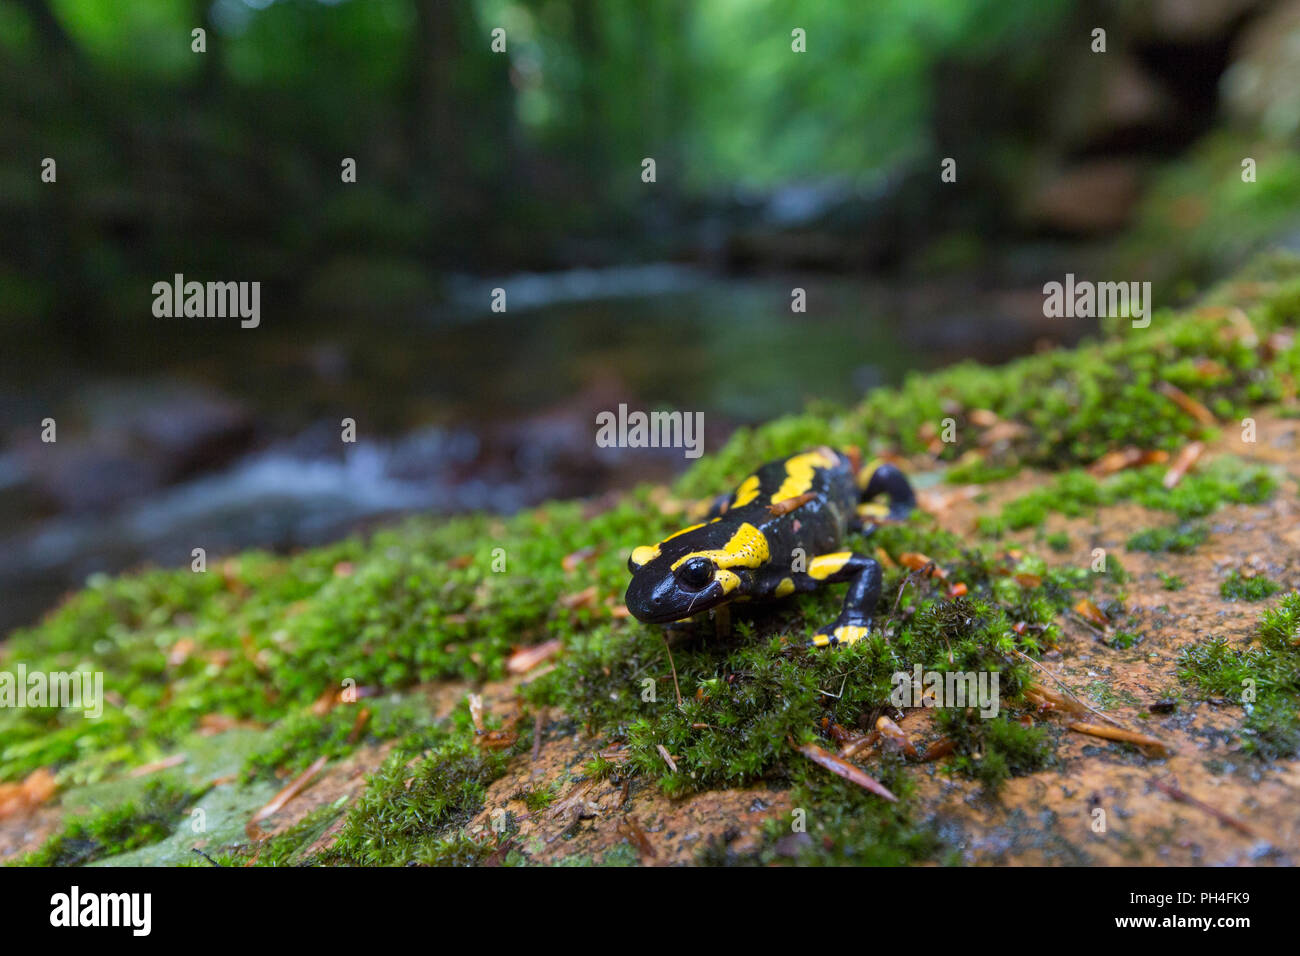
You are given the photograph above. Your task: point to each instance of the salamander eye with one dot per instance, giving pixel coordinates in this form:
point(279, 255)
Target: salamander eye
point(695, 574)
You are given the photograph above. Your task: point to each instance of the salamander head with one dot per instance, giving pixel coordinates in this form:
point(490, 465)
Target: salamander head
point(660, 593)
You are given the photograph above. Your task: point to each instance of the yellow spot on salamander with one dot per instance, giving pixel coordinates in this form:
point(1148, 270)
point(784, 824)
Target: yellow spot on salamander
point(845, 635)
point(746, 549)
point(785, 587)
point(644, 554)
point(678, 534)
point(824, 565)
point(866, 471)
point(647, 553)
point(799, 473)
point(729, 581)
point(873, 510)
point(849, 634)
point(747, 492)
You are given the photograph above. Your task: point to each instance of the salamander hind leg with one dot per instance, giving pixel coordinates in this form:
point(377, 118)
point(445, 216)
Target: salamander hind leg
point(854, 621)
point(876, 480)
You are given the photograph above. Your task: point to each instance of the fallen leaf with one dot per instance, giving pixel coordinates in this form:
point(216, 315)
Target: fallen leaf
point(25, 796)
point(587, 598)
point(1094, 615)
point(915, 561)
point(526, 658)
point(636, 835)
point(1188, 404)
point(940, 748)
point(790, 504)
point(893, 733)
point(1182, 464)
point(572, 561)
point(175, 760)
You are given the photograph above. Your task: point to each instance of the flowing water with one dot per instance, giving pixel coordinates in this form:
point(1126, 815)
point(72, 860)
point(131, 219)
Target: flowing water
point(228, 439)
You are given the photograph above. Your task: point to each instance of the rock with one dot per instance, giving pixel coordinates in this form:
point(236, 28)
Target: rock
point(1091, 198)
point(1260, 86)
point(139, 438)
point(1114, 104)
point(1185, 21)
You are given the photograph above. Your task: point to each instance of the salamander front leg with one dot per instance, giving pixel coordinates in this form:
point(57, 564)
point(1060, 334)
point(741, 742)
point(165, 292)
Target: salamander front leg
point(863, 575)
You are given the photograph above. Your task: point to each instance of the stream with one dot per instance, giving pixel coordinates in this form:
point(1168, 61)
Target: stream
point(228, 439)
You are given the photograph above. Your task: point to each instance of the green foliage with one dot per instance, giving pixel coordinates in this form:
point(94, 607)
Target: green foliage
point(1216, 218)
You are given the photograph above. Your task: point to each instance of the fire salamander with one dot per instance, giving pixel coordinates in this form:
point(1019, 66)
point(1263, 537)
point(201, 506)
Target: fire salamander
point(780, 532)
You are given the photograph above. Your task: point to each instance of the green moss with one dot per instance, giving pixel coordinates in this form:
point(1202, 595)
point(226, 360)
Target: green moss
point(299, 739)
point(537, 799)
point(1226, 480)
point(267, 636)
point(148, 819)
point(995, 749)
point(1198, 218)
point(1264, 678)
point(841, 824)
point(1235, 587)
point(414, 806)
point(1171, 582)
point(1075, 405)
point(1059, 542)
point(1122, 640)
point(1182, 538)
point(745, 695)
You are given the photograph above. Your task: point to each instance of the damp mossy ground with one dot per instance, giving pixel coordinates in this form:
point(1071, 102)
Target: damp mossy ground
point(1263, 678)
point(261, 641)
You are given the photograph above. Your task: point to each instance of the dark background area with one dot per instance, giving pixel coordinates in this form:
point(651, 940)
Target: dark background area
point(521, 170)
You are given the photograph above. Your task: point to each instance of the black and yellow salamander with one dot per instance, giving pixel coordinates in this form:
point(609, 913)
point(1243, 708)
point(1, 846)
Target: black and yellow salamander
point(780, 532)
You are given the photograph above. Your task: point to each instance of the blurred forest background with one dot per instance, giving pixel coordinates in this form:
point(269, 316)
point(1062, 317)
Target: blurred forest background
point(522, 170)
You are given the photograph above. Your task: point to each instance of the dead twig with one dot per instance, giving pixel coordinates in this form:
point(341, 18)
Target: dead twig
point(1124, 736)
point(843, 768)
point(1069, 693)
point(668, 758)
point(538, 723)
point(1173, 790)
point(295, 787)
point(677, 690)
